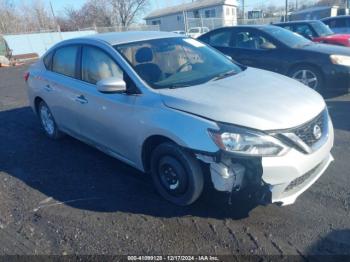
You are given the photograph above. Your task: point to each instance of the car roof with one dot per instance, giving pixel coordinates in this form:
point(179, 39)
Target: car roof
point(335, 17)
point(297, 22)
point(129, 37)
point(246, 26)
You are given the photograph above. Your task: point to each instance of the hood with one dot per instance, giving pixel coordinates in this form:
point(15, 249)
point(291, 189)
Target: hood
point(255, 98)
point(327, 49)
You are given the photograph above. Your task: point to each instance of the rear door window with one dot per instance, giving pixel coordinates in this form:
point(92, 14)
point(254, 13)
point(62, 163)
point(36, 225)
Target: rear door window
point(304, 30)
point(337, 23)
point(221, 38)
point(64, 60)
point(250, 40)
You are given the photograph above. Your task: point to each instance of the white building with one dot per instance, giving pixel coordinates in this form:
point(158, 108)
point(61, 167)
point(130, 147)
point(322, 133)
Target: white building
point(204, 13)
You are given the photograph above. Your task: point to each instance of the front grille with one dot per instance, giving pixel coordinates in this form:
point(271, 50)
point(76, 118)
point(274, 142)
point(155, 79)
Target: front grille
point(300, 180)
point(305, 132)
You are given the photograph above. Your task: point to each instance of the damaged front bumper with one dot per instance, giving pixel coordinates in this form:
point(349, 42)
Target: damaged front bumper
point(279, 180)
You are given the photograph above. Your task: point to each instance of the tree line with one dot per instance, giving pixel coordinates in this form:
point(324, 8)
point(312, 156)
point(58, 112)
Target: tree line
point(37, 15)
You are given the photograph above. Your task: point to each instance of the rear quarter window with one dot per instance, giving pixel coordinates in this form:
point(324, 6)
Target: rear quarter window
point(48, 61)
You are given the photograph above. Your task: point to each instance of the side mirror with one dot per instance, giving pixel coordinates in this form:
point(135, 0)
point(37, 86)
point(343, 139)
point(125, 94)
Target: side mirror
point(111, 85)
point(229, 57)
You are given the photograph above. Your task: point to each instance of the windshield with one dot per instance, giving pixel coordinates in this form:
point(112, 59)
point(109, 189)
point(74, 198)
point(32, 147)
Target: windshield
point(287, 37)
point(321, 29)
point(194, 30)
point(176, 62)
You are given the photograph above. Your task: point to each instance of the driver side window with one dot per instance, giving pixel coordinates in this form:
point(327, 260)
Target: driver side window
point(98, 65)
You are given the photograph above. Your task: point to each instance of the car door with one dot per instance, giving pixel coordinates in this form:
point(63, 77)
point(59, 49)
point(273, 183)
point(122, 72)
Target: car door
point(59, 86)
point(251, 47)
point(105, 120)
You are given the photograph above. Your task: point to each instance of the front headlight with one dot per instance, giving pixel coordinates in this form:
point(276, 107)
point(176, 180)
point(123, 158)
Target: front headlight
point(340, 60)
point(247, 142)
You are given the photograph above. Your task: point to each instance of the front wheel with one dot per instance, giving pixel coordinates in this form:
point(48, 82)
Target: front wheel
point(309, 76)
point(177, 174)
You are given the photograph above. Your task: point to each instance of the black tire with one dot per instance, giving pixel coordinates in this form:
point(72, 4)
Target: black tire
point(183, 168)
point(314, 71)
point(55, 133)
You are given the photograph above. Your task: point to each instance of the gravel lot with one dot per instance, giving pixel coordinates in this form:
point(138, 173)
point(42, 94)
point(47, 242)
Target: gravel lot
point(68, 198)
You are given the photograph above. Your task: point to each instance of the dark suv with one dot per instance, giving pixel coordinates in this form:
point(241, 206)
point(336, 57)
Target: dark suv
point(316, 31)
point(338, 24)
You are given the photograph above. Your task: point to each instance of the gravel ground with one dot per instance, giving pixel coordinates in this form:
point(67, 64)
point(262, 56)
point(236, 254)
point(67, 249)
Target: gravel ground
point(64, 197)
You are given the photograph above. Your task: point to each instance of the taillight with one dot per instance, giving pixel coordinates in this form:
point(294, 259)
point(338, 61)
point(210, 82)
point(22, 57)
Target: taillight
point(26, 76)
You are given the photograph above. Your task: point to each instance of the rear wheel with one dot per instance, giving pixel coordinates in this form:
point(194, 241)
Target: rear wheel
point(309, 76)
point(177, 174)
point(48, 122)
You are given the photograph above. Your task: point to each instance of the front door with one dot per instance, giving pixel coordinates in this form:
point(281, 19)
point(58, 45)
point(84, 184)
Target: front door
point(105, 120)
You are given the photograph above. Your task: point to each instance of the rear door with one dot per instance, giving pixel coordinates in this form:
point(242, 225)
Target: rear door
point(59, 86)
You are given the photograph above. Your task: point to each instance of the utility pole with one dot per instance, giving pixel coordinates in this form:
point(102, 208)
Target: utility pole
point(286, 12)
point(243, 10)
point(54, 18)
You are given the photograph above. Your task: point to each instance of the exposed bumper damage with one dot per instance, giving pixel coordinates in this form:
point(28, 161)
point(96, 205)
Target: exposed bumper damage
point(279, 180)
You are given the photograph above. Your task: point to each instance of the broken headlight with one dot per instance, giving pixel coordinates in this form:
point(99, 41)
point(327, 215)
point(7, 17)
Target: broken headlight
point(247, 142)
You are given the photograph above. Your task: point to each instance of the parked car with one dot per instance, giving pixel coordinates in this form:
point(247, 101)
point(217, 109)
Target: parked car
point(180, 32)
point(338, 24)
point(174, 107)
point(316, 31)
point(321, 67)
point(195, 32)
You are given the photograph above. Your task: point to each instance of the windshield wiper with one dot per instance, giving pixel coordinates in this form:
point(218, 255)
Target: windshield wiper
point(224, 75)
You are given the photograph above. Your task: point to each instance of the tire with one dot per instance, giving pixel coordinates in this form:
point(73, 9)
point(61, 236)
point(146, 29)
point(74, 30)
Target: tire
point(176, 174)
point(47, 122)
point(304, 74)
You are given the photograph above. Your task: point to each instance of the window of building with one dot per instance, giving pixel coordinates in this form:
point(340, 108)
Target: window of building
point(210, 13)
point(156, 22)
point(196, 14)
point(227, 11)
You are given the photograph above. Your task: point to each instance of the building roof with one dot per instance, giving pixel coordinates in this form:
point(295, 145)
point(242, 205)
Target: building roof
point(314, 9)
point(188, 7)
point(130, 36)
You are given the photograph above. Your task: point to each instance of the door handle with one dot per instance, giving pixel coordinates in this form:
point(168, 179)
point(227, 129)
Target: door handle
point(81, 99)
point(48, 88)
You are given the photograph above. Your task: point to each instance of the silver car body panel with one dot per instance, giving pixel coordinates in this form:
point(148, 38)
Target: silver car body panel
point(254, 98)
point(120, 124)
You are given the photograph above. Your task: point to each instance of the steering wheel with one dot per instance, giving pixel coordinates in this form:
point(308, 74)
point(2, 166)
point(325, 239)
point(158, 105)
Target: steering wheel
point(183, 66)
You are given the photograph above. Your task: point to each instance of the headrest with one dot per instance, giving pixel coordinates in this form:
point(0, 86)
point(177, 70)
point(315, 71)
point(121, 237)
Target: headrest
point(144, 55)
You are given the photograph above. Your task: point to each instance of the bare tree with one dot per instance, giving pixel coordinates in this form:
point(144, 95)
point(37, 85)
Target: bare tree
point(127, 10)
point(331, 2)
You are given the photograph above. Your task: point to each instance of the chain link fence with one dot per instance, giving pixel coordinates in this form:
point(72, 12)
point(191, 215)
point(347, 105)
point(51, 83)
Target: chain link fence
point(39, 42)
point(213, 23)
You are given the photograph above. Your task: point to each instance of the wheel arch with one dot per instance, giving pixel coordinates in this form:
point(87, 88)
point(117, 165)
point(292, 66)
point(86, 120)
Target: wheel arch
point(296, 65)
point(149, 145)
point(37, 101)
